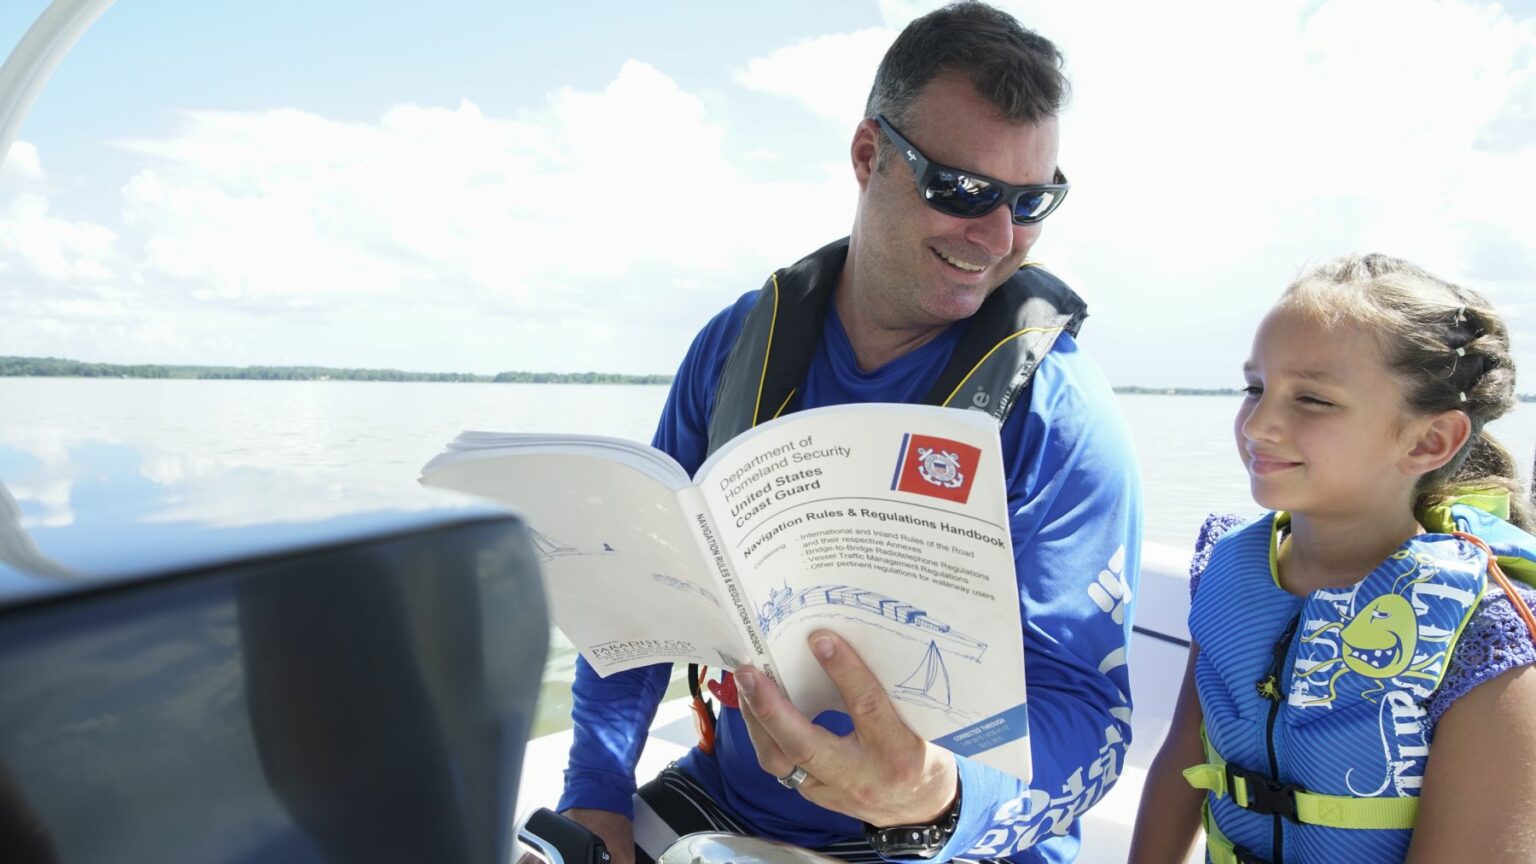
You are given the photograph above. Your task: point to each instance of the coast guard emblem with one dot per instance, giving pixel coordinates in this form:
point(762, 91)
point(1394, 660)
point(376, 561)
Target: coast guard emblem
point(939, 468)
point(936, 467)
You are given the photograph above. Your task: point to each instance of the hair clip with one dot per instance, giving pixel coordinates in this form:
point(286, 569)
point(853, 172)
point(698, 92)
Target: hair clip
point(1461, 314)
point(1461, 351)
point(1463, 396)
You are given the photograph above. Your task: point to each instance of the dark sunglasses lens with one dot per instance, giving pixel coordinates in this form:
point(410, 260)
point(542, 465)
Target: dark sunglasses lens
point(959, 194)
point(1034, 206)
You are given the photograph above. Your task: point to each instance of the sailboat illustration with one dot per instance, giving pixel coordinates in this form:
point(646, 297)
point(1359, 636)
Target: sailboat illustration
point(549, 548)
point(929, 682)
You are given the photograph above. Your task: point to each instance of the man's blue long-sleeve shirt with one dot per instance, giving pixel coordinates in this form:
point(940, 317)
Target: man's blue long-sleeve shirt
point(1075, 503)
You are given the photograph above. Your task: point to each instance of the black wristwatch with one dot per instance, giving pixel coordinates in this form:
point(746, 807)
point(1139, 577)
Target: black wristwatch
point(915, 842)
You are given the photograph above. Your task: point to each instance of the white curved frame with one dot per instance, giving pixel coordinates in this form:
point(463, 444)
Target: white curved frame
point(35, 57)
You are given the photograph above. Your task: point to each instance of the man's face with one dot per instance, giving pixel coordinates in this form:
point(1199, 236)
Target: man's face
point(930, 268)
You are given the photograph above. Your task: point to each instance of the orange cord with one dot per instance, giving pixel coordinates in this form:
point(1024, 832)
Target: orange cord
point(1497, 573)
point(703, 718)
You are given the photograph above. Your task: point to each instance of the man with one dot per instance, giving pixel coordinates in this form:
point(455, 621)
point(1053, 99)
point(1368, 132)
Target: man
point(885, 316)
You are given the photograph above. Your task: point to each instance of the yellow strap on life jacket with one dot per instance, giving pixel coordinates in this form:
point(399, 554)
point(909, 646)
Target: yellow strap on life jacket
point(1312, 808)
point(1217, 847)
point(1494, 502)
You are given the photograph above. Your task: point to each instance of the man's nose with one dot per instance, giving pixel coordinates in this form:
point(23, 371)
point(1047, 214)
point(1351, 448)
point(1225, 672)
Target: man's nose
point(993, 232)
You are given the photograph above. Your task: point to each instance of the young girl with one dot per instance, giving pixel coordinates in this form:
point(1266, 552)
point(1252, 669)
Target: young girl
point(1359, 685)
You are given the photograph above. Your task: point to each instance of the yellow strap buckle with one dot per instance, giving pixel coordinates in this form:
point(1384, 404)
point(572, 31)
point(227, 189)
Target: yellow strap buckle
point(1299, 805)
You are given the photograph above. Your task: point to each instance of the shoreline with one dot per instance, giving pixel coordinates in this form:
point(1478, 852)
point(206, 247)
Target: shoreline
point(56, 367)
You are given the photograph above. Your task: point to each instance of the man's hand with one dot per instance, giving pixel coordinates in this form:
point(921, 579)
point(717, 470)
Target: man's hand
point(617, 832)
point(881, 772)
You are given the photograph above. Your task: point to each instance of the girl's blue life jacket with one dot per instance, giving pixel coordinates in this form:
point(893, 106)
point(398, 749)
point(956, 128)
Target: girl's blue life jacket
point(1316, 733)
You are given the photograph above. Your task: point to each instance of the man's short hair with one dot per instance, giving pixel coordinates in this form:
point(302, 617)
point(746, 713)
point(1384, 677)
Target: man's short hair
point(1014, 68)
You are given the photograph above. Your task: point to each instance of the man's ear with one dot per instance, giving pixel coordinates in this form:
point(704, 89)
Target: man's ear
point(865, 151)
point(1440, 437)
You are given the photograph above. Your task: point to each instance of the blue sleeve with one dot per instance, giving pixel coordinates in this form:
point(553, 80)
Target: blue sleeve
point(610, 716)
point(1494, 641)
point(1075, 497)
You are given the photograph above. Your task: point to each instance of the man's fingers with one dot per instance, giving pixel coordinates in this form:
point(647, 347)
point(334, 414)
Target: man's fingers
point(769, 755)
point(771, 717)
point(869, 706)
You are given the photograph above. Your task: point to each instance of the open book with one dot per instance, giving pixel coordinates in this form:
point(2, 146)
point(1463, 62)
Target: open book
point(886, 524)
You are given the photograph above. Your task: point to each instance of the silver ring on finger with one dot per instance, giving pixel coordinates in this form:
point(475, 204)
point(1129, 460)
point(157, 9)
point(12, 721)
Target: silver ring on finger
point(794, 778)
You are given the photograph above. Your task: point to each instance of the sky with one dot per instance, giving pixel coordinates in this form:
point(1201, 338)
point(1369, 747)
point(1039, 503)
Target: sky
point(482, 186)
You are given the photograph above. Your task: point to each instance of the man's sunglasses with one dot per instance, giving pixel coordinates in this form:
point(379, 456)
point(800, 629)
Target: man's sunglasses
point(958, 192)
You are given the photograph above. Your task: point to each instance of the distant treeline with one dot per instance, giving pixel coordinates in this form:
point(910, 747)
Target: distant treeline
point(1230, 391)
point(1180, 391)
point(578, 378)
point(12, 367)
point(54, 367)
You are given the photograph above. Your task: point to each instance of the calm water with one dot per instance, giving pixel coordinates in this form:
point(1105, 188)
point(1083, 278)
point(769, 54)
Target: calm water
point(196, 433)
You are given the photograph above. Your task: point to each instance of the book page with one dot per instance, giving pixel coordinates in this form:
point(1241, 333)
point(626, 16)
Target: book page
point(471, 444)
point(621, 568)
point(888, 525)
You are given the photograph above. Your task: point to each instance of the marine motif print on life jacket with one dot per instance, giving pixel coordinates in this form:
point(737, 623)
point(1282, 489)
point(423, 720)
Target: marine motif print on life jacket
point(1386, 642)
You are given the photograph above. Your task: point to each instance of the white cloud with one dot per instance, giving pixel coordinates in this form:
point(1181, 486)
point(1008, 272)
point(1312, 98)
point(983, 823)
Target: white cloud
point(829, 75)
point(22, 163)
point(565, 225)
point(52, 248)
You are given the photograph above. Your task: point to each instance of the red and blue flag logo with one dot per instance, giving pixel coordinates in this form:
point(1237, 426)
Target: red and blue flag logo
point(937, 467)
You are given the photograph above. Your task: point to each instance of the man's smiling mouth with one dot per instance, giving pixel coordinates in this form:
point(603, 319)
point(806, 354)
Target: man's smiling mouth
point(962, 265)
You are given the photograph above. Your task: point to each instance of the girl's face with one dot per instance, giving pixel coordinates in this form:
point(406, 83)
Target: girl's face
point(1323, 429)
